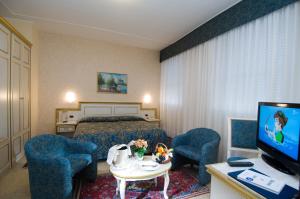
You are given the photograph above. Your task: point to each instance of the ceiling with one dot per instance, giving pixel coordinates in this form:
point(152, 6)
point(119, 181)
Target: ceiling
point(151, 24)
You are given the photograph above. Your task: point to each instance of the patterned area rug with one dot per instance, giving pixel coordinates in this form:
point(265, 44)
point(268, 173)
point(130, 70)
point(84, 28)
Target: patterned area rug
point(183, 185)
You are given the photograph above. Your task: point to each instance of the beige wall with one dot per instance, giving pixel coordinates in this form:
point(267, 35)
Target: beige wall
point(71, 64)
point(28, 29)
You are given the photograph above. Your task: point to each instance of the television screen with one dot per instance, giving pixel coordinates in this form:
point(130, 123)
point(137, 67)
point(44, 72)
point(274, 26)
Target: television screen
point(279, 128)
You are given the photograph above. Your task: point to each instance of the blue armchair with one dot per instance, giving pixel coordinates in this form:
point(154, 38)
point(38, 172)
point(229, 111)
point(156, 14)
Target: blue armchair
point(198, 146)
point(52, 162)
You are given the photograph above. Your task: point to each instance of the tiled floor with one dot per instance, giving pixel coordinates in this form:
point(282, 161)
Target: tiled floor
point(14, 183)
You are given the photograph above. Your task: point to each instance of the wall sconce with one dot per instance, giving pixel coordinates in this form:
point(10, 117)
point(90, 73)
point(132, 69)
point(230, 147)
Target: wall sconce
point(70, 97)
point(147, 99)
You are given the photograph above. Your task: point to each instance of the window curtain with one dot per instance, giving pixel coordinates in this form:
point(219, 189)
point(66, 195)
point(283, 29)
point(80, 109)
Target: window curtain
point(228, 75)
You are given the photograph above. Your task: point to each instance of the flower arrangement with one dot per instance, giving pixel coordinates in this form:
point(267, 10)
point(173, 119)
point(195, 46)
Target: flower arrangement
point(139, 148)
point(162, 154)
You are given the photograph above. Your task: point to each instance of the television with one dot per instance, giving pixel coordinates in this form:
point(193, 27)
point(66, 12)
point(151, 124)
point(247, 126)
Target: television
point(278, 135)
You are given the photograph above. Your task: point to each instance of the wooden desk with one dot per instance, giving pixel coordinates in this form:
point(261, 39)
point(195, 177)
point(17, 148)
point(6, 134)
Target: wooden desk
point(223, 186)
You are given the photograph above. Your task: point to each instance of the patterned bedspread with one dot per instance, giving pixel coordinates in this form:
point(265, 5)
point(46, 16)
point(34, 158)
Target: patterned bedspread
point(107, 134)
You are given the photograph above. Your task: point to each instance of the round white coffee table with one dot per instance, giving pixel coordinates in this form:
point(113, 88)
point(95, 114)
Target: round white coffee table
point(135, 173)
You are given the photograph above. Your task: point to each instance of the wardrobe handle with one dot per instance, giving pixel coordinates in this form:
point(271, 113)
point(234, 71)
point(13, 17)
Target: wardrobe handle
point(21, 98)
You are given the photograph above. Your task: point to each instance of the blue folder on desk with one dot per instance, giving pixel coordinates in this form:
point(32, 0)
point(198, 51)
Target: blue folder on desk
point(287, 191)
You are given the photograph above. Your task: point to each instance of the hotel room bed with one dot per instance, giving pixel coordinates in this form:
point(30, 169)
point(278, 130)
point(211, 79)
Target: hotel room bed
point(109, 131)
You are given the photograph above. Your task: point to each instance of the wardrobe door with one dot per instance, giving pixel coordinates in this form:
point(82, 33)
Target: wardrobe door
point(4, 98)
point(15, 91)
point(17, 99)
point(25, 94)
point(26, 55)
point(16, 117)
point(25, 82)
point(24, 99)
point(16, 48)
point(20, 85)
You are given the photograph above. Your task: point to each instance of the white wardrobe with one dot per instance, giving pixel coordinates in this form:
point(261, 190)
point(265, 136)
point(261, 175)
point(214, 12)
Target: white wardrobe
point(14, 94)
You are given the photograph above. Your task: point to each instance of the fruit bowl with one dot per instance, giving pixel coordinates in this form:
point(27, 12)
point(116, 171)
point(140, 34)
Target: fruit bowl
point(162, 154)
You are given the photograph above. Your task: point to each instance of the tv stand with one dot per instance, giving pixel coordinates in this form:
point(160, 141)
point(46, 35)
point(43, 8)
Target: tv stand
point(276, 164)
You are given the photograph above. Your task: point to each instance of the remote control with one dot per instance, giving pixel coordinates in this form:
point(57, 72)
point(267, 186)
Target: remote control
point(240, 164)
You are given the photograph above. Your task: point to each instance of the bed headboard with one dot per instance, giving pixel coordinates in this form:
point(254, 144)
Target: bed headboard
point(87, 109)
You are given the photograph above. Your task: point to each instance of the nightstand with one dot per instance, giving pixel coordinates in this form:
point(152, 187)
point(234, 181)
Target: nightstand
point(155, 121)
point(66, 128)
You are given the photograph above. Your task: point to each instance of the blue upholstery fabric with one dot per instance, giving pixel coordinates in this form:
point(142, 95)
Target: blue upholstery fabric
point(243, 133)
point(79, 161)
point(188, 151)
point(201, 146)
point(52, 162)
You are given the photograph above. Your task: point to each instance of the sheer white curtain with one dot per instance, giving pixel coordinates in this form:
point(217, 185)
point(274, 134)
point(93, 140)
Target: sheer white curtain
point(228, 75)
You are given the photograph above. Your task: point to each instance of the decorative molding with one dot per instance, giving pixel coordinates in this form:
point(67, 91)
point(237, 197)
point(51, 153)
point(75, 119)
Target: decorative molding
point(9, 26)
point(239, 14)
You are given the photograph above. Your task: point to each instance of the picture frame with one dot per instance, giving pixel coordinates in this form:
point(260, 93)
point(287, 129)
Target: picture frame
point(112, 82)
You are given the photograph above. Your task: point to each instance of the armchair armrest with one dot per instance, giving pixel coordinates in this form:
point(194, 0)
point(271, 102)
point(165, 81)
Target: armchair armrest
point(209, 152)
point(90, 172)
point(81, 147)
point(53, 172)
point(180, 140)
point(57, 165)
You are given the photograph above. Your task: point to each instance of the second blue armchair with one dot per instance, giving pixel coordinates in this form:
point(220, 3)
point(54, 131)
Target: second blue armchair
point(198, 146)
point(52, 162)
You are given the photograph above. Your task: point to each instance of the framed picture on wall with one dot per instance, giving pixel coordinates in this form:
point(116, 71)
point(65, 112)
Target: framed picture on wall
point(112, 83)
